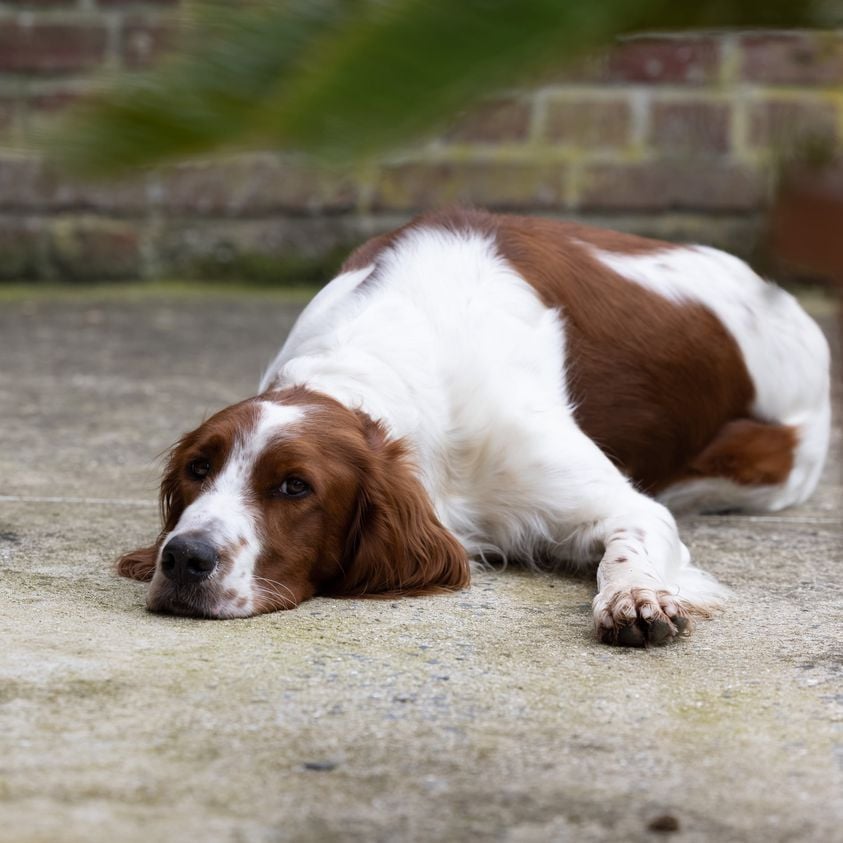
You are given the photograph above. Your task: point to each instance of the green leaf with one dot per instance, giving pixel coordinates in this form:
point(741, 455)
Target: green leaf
point(340, 80)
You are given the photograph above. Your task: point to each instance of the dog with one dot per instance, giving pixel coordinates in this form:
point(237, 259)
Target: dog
point(474, 387)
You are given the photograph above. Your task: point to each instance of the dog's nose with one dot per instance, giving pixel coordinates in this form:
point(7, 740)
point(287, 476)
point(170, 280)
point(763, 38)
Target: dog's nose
point(188, 559)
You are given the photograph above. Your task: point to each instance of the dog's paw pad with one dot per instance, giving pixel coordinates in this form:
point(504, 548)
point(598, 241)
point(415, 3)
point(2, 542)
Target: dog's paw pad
point(682, 624)
point(638, 617)
point(660, 631)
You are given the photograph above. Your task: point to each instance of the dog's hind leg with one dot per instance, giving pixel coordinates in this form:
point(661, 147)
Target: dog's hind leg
point(753, 466)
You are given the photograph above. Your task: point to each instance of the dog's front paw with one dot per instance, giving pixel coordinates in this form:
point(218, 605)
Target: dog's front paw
point(638, 616)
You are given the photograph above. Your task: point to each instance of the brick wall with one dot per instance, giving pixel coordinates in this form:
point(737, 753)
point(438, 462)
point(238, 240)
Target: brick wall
point(677, 136)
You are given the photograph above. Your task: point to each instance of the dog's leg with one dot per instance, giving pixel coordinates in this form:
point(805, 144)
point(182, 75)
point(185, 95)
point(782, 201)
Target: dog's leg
point(647, 590)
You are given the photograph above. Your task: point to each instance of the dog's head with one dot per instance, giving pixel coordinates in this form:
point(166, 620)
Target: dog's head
point(284, 496)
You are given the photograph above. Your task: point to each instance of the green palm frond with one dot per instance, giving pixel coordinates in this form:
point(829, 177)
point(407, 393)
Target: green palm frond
point(344, 79)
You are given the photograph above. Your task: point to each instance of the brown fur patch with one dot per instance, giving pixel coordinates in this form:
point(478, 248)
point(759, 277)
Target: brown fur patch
point(370, 251)
point(368, 528)
point(138, 564)
point(748, 452)
point(653, 382)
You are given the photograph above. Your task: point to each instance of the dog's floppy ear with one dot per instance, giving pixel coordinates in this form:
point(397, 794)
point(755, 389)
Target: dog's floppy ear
point(396, 543)
point(140, 564)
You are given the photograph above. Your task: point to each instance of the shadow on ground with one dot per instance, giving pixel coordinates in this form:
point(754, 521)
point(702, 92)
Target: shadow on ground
point(491, 714)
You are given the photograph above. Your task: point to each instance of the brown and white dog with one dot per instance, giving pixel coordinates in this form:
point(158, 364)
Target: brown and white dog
point(475, 386)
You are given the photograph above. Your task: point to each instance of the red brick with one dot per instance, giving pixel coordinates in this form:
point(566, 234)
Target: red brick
point(142, 43)
point(253, 185)
point(21, 182)
point(662, 186)
point(91, 248)
point(281, 249)
point(504, 186)
point(601, 123)
point(659, 60)
point(690, 128)
point(54, 101)
point(8, 107)
point(825, 178)
point(123, 197)
point(806, 221)
point(111, 3)
point(785, 124)
point(493, 122)
point(793, 58)
point(27, 185)
point(591, 68)
point(50, 47)
point(20, 248)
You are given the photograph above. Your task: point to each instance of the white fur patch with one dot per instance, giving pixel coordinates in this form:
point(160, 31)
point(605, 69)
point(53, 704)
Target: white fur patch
point(785, 352)
point(224, 512)
point(311, 323)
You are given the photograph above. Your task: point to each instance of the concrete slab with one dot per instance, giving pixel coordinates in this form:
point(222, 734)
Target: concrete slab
point(491, 714)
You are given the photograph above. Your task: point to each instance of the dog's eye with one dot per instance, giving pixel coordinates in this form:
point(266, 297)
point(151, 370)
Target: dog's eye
point(294, 487)
point(198, 469)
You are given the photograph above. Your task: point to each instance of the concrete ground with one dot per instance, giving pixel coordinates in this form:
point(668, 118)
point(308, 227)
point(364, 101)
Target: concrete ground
point(492, 714)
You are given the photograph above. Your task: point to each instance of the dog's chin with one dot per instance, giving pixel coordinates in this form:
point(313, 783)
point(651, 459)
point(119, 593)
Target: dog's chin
point(202, 601)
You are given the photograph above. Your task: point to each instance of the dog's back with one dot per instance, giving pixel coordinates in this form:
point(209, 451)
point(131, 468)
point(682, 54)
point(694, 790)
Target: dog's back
point(700, 381)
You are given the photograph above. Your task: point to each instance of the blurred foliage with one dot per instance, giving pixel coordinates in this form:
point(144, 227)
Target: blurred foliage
point(341, 80)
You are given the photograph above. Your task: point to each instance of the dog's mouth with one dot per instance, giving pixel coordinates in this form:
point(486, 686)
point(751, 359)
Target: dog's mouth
point(196, 602)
